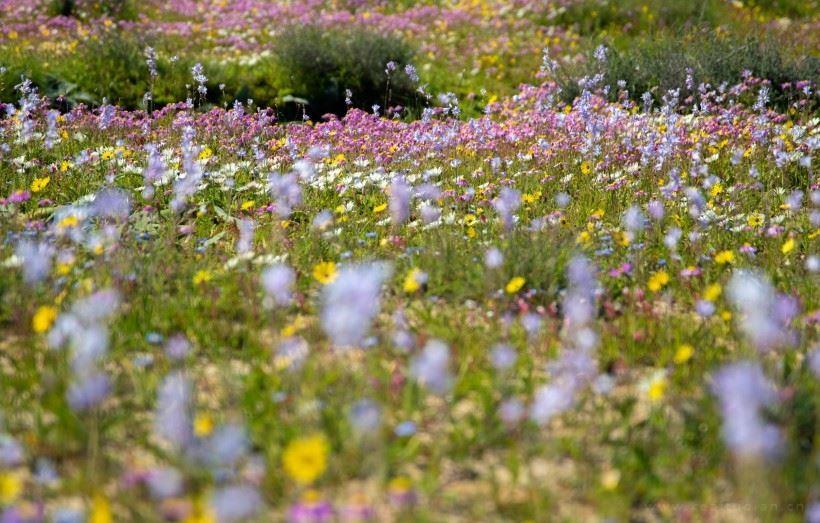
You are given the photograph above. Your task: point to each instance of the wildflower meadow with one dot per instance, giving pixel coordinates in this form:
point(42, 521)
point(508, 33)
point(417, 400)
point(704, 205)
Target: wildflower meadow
point(323, 261)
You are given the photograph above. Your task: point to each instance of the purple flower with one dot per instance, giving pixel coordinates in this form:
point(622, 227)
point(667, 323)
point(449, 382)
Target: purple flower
point(503, 356)
point(506, 204)
point(172, 416)
point(351, 302)
point(399, 200)
point(246, 227)
point(278, 281)
point(743, 392)
point(177, 347)
point(164, 482)
point(235, 503)
point(11, 452)
point(286, 192)
point(88, 391)
point(431, 367)
point(493, 258)
point(764, 315)
point(312, 509)
point(35, 259)
point(112, 203)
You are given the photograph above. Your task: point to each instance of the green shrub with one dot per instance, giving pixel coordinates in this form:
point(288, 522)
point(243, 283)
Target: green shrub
point(318, 65)
point(788, 8)
point(660, 64)
point(117, 9)
point(639, 16)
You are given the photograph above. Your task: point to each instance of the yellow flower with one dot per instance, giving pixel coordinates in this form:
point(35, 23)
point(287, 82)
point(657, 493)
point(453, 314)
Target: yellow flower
point(684, 352)
point(514, 285)
point(305, 459)
point(658, 281)
point(39, 184)
point(610, 479)
point(656, 386)
point(413, 281)
point(202, 276)
point(325, 272)
point(712, 292)
point(11, 485)
point(100, 510)
point(247, 204)
point(788, 246)
point(43, 318)
point(68, 221)
point(755, 219)
point(716, 189)
point(379, 208)
point(586, 168)
point(724, 257)
point(205, 153)
point(203, 425)
point(399, 485)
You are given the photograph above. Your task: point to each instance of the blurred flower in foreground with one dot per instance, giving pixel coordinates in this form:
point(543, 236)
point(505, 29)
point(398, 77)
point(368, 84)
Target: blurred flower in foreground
point(305, 458)
point(743, 392)
point(430, 367)
point(351, 301)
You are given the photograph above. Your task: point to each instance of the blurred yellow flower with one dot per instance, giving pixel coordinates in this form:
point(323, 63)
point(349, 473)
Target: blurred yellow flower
point(712, 292)
point(325, 272)
point(305, 459)
point(684, 353)
point(656, 386)
point(514, 285)
point(40, 183)
point(379, 208)
point(724, 257)
point(755, 219)
point(43, 318)
point(11, 485)
point(610, 479)
point(413, 280)
point(788, 246)
point(100, 511)
point(658, 281)
point(202, 276)
point(203, 425)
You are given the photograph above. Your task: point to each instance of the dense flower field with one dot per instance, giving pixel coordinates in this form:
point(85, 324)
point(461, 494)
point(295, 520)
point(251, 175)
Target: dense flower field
point(501, 305)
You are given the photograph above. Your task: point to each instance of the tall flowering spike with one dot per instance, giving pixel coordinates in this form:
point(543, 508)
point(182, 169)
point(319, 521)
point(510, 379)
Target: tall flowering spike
point(286, 192)
point(198, 74)
point(187, 184)
point(279, 281)
point(35, 259)
point(172, 417)
point(431, 367)
point(154, 171)
point(400, 193)
point(88, 390)
point(744, 391)
point(351, 302)
point(506, 204)
point(576, 367)
point(765, 315)
point(106, 116)
point(151, 61)
point(244, 243)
